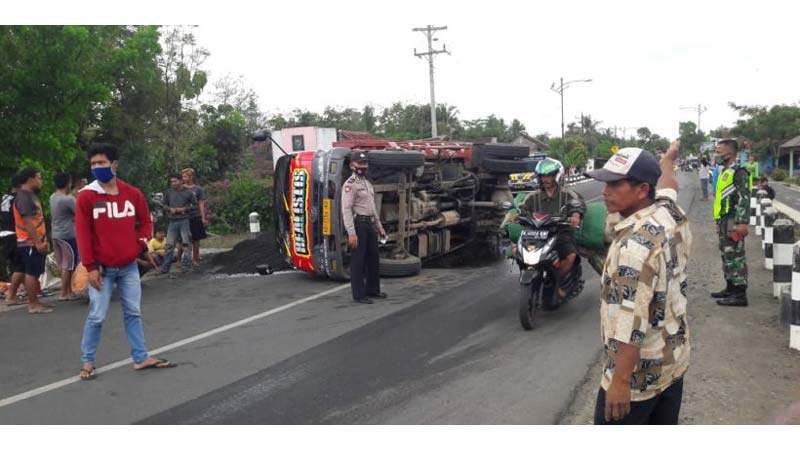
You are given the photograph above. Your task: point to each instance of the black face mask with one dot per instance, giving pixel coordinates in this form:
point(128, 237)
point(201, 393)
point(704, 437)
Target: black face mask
point(361, 171)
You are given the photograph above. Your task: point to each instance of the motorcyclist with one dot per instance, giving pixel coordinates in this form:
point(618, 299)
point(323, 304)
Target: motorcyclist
point(550, 198)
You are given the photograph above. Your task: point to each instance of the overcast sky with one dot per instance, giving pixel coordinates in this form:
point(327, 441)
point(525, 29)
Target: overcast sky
point(646, 59)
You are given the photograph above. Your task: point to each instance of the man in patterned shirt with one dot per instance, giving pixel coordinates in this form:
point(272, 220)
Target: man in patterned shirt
point(643, 299)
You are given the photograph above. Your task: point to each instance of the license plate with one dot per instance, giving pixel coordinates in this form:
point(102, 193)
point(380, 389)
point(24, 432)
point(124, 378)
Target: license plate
point(537, 234)
point(326, 217)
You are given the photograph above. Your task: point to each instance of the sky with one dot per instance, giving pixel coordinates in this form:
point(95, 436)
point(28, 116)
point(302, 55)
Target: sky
point(647, 60)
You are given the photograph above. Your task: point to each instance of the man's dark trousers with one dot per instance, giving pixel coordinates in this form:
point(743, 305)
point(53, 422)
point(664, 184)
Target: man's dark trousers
point(364, 262)
point(663, 409)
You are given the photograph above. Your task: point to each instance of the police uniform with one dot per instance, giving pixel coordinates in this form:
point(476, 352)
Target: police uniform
point(732, 208)
point(361, 219)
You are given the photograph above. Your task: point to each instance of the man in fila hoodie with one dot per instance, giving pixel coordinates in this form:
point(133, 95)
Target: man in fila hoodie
point(113, 225)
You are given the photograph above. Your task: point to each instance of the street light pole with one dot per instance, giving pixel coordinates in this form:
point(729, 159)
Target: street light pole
point(560, 91)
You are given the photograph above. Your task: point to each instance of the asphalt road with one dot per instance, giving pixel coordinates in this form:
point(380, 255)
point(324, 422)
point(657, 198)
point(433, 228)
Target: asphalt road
point(786, 195)
point(446, 347)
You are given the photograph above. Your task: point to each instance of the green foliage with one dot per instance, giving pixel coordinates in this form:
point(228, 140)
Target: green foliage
point(691, 139)
point(55, 80)
point(575, 148)
point(603, 149)
point(779, 174)
point(231, 202)
point(767, 128)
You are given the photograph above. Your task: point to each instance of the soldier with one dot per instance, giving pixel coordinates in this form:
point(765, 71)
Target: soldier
point(363, 227)
point(732, 214)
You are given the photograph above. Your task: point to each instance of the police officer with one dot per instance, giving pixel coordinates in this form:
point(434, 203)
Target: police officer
point(732, 214)
point(363, 226)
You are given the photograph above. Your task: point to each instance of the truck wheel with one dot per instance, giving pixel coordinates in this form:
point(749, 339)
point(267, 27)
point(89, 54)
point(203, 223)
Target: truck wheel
point(411, 265)
point(502, 151)
point(508, 165)
point(394, 158)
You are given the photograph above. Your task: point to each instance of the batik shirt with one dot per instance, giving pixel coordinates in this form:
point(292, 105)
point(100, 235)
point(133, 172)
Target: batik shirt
point(643, 297)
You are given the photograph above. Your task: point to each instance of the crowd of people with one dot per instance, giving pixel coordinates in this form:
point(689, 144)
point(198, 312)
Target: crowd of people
point(27, 240)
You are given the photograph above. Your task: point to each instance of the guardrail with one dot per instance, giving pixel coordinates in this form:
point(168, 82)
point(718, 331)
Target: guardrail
point(775, 224)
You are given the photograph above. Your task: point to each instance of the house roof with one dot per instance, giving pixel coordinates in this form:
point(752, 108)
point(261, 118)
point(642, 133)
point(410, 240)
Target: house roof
point(346, 135)
point(792, 143)
point(532, 139)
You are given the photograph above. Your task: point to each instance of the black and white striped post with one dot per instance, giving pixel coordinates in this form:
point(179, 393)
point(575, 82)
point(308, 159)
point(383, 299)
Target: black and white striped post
point(761, 229)
point(759, 213)
point(794, 326)
point(782, 249)
point(769, 220)
point(754, 207)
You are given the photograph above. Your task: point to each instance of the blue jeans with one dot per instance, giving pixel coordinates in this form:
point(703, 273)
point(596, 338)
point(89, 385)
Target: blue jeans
point(704, 185)
point(130, 293)
point(178, 228)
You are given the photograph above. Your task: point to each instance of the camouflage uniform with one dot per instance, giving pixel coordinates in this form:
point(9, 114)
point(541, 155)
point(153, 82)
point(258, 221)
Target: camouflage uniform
point(734, 262)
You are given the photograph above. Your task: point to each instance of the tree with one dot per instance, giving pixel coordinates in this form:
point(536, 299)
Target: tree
point(180, 65)
point(56, 80)
point(767, 128)
point(691, 139)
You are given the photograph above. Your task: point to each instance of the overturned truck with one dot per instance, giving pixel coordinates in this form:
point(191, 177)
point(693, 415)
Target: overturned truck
point(433, 198)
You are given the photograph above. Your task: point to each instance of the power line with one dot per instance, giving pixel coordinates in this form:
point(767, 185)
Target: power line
point(700, 109)
point(429, 31)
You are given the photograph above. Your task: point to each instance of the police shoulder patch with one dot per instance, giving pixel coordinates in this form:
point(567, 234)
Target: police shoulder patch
point(348, 189)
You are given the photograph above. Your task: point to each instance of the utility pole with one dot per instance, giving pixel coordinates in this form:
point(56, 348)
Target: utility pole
point(429, 31)
point(700, 109)
point(560, 91)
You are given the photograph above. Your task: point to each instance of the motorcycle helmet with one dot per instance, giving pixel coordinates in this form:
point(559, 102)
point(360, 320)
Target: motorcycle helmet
point(550, 167)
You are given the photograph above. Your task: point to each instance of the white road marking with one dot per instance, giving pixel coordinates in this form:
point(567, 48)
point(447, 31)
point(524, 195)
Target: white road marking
point(187, 341)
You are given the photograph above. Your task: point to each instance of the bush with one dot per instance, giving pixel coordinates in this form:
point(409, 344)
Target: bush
point(779, 174)
point(232, 201)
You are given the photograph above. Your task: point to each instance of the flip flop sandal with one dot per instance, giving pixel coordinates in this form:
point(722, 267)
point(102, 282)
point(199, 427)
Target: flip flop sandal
point(159, 364)
point(41, 311)
point(90, 374)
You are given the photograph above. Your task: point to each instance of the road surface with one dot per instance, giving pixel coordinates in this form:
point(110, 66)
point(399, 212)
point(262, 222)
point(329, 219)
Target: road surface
point(445, 348)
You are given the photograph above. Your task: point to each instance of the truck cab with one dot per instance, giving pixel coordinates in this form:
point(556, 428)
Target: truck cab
point(433, 197)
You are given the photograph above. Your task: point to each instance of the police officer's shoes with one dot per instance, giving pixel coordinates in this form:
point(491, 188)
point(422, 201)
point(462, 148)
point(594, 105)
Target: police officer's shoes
point(725, 293)
point(366, 300)
point(380, 295)
point(735, 299)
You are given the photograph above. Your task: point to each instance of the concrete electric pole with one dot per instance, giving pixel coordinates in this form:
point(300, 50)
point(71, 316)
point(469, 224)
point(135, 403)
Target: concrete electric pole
point(429, 31)
point(700, 109)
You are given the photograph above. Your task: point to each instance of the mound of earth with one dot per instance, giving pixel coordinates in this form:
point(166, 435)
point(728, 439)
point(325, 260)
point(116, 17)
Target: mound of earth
point(246, 255)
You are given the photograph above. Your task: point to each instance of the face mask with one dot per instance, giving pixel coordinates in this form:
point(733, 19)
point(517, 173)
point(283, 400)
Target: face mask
point(103, 174)
point(721, 160)
point(361, 171)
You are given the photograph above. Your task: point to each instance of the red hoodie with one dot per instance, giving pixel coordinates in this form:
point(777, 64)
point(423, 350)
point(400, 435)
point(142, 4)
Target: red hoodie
point(112, 229)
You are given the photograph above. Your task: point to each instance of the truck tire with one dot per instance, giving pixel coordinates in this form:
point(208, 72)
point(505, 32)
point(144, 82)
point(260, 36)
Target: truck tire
point(395, 158)
point(502, 151)
point(411, 265)
point(508, 165)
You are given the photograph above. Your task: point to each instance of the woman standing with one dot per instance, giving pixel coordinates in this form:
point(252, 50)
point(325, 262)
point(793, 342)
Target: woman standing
point(198, 219)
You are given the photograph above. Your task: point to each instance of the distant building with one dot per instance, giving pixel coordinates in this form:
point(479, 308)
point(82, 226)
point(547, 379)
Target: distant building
point(533, 144)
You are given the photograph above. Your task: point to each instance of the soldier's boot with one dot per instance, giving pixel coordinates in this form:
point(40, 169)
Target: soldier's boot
point(725, 292)
point(737, 298)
